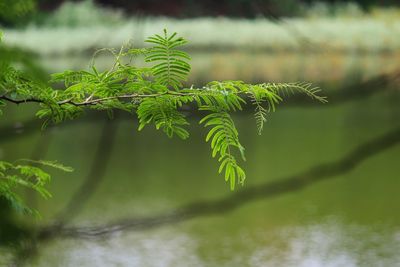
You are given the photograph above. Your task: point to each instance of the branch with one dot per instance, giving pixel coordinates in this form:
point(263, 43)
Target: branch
point(379, 84)
point(349, 93)
point(21, 101)
point(218, 207)
point(89, 101)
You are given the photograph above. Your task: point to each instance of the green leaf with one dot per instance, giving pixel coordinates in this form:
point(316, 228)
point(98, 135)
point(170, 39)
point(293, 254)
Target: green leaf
point(13, 176)
point(173, 67)
point(163, 113)
point(156, 96)
point(54, 164)
point(224, 140)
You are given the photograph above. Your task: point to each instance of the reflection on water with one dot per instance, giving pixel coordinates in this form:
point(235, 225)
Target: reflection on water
point(343, 222)
point(330, 243)
point(347, 221)
point(163, 248)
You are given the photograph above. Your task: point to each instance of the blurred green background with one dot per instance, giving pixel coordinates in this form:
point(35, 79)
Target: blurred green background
point(349, 49)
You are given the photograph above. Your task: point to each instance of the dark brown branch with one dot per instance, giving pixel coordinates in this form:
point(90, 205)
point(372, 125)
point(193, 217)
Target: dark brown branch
point(379, 84)
point(89, 101)
point(281, 186)
point(29, 100)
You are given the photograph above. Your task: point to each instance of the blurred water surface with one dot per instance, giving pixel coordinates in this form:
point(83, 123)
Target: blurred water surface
point(351, 220)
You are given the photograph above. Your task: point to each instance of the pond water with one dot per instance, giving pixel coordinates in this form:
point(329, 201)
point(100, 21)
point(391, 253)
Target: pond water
point(347, 220)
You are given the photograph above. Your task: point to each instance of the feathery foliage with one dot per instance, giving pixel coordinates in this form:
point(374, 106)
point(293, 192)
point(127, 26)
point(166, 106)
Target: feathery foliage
point(224, 139)
point(156, 95)
point(162, 112)
point(172, 67)
point(16, 175)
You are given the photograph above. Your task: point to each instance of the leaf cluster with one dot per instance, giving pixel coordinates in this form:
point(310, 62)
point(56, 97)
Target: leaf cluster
point(172, 64)
point(157, 95)
point(26, 174)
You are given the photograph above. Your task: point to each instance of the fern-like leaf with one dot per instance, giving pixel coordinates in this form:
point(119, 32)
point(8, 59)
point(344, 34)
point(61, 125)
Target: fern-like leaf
point(286, 89)
point(14, 175)
point(163, 113)
point(172, 67)
point(224, 138)
point(260, 114)
point(53, 164)
point(258, 95)
point(155, 94)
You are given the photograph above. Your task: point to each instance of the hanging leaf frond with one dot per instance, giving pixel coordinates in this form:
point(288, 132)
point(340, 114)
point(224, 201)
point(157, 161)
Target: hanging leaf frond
point(224, 139)
point(155, 94)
